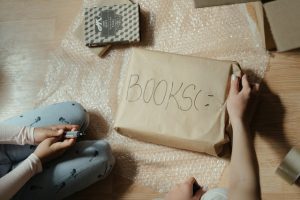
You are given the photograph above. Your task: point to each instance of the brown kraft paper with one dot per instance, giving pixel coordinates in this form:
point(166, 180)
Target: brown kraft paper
point(175, 100)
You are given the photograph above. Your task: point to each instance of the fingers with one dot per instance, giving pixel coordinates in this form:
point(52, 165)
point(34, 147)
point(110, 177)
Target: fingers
point(72, 127)
point(50, 140)
point(192, 185)
point(255, 88)
point(63, 145)
point(66, 143)
point(234, 85)
point(66, 127)
point(199, 194)
point(54, 133)
point(245, 84)
point(190, 180)
point(249, 89)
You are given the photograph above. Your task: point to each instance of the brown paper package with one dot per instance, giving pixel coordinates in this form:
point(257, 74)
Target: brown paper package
point(177, 101)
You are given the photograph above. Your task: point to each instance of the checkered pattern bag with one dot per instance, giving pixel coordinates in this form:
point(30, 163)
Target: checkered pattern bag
point(112, 24)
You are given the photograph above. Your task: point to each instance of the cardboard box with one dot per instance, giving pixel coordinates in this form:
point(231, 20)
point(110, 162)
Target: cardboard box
point(283, 17)
point(282, 29)
point(209, 3)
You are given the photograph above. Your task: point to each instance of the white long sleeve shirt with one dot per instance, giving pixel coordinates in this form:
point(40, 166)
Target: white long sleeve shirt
point(12, 182)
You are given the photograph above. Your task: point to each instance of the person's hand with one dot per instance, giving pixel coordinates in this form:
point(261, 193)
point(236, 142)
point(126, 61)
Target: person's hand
point(40, 134)
point(51, 148)
point(239, 102)
point(184, 191)
point(51, 141)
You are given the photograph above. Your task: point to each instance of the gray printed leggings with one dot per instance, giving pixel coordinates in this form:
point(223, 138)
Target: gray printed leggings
point(82, 165)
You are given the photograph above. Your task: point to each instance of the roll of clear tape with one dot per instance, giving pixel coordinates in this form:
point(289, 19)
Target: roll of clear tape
point(289, 168)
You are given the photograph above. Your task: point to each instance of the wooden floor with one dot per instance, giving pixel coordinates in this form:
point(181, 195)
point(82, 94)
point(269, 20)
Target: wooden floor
point(31, 29)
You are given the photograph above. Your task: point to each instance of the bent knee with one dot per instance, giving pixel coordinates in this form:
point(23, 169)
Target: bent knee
point(79, 114)
point(104, 149)
point(105, 157)
point(105, 154)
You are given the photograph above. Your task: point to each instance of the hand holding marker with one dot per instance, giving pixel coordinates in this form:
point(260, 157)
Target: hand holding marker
point(74, 134)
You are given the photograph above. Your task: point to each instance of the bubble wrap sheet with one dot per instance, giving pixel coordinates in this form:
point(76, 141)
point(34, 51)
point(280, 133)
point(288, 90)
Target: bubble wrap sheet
point(75, 73)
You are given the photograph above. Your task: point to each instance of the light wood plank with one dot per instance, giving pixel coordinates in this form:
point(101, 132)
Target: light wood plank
point(23, 62)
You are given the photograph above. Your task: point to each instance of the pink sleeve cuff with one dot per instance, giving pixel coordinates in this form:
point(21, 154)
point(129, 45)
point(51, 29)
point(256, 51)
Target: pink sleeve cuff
point(10, 134)
point(26, 136)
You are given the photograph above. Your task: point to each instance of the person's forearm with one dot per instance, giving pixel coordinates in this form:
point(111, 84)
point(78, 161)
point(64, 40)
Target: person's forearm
point(14, 180)
point(243, 166)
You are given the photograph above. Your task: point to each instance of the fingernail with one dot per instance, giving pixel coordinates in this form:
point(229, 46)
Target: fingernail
point(233, 77)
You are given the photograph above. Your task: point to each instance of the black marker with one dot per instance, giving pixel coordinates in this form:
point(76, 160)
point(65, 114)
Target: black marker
point(74, 134)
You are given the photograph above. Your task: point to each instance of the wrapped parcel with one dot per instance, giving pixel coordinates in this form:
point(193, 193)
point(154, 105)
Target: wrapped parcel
point(177, 101)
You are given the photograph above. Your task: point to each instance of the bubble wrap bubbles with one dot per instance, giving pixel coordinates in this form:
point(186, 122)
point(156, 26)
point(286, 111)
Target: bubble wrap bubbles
point(75, 73)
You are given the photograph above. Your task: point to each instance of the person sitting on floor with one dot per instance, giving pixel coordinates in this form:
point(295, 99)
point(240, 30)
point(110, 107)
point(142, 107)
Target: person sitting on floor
point(44, 171)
